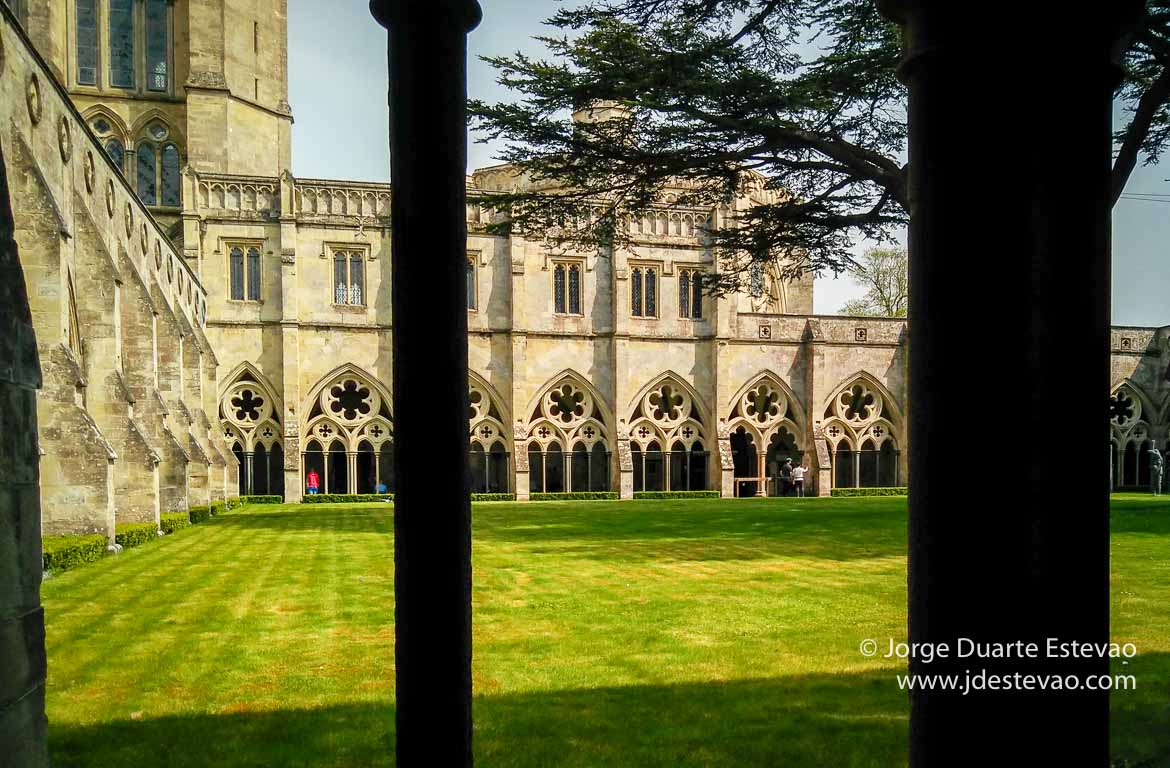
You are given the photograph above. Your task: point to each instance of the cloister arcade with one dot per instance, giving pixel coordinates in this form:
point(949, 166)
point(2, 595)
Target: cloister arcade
point(668, 442)
point(764, 429)
point(250, 416)
point(1133, 420)
point(860, 422)
point(568, 438)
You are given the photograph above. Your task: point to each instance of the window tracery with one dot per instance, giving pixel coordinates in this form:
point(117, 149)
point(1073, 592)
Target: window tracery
point(644, 291)
point(565, 439)
point(668, 445)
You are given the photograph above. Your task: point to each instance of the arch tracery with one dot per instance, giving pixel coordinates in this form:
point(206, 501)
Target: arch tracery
point(667, 425)
point(564, 442)
point(861, 423)
point(249, 414)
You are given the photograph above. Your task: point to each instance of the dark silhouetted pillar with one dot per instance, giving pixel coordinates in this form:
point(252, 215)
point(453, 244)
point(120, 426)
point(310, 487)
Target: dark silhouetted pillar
point(432, 513)
point(1009, 113)
point(22, 620)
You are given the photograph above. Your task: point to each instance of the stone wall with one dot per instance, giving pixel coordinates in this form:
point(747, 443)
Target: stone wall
point(113, 304)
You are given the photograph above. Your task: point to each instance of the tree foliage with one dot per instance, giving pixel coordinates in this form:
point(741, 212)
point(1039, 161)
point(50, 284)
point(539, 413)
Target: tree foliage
point(883, 273)
point(793, 102)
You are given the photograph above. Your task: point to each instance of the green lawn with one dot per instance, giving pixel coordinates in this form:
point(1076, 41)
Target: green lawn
point(656, 633)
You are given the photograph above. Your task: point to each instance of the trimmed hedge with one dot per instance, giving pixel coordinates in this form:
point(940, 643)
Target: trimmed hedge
point(676, 494)
point(199, 514)
point(174, 521)
point(60, 553)
point(493, 497)
point(135, 534)
point(259, 500)
point(575, 496)
point(345, 498)
point(845, 492)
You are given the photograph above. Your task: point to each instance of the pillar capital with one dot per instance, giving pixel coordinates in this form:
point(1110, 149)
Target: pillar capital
point(466, 14)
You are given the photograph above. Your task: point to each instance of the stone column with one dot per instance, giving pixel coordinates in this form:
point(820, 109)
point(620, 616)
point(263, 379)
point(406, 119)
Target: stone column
point(1009, 112)
point(23, 727)
point(432, 523)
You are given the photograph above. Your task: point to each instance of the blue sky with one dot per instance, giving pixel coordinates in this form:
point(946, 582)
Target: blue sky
point(337, 87)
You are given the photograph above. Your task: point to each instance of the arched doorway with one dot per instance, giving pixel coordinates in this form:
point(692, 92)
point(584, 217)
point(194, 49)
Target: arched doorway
point(745, 462)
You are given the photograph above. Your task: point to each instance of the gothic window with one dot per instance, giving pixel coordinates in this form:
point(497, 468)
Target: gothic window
point(87, 42)
point(121, 19)
point(472, 304)
point(349, 278)
point(158, 167)
point(117, 153)
point(236, 271)
point(666, 439)
point(170, 175)
point(756, 279)
point(644, 291)
point(690, 294)
point(559, 289)
point(567, 288)
point(574, 289)
point(147, 174)
point(244, 272)
point(356, 280)
point(157, 45)
point(253, 274)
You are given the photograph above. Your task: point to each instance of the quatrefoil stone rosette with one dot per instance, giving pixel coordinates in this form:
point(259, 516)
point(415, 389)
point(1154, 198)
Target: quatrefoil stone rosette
point(858, 405)
point(566, 405)
point(245, 405)
point(764, 405)
point(666, 405)
point(349, 401)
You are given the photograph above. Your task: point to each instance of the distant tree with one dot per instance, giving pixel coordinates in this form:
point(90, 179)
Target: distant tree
point(797, 99)
point(887, 287)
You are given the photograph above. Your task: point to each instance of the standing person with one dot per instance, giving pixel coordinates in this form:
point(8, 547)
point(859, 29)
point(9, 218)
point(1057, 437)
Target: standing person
point(1156, 469)
point(313, 481)
point(786, 477)
point(798, 474)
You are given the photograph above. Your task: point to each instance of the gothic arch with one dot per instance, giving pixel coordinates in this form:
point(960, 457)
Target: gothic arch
point(568, 375)
point(861, 409)
point(765, 405)
point(249, 410)
point(138, 130)
point(1131, 414)
point(349, 405)
point(118, 128)
point(487, 417)
point(685, 418)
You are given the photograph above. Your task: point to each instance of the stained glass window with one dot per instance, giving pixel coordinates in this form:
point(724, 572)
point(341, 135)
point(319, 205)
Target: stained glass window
point(147, 183)
point(121, 16)
point(236, 269)
point(574, 289)
point(156, 45)
point(697, 298)
point(116, 152)
point(170, 175)
point(356, 279)
point(253, 274)
point(684, 293)
point(340, 286)
point(757, 278)
point(87, 42)
point(651, 292)
point(559, 289)
point(636, 292)
point(471, 297)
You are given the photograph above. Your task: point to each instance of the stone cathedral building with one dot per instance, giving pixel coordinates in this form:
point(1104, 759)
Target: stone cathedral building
point(209, 324)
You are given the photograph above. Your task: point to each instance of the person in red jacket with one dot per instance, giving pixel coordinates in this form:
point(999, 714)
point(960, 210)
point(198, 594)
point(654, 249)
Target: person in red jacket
point(313, 481)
